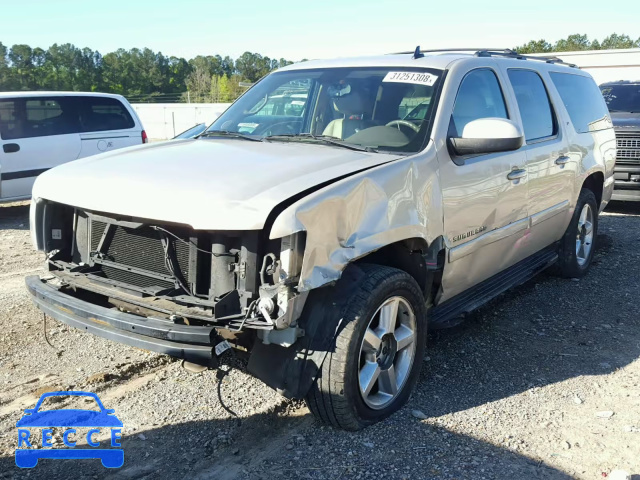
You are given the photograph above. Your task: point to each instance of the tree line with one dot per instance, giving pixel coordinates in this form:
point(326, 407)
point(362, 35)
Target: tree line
point(579, 41)
point(139, 73)
point(145, 75)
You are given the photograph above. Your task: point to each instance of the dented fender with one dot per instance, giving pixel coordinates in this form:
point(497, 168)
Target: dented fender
point(362, 213)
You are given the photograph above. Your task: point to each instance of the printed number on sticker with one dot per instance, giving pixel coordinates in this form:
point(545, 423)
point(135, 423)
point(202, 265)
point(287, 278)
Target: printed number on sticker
point(222, 347)
point(411, 77)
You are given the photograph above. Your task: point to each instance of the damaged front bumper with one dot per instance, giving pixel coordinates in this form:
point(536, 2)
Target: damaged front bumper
point(190, 342)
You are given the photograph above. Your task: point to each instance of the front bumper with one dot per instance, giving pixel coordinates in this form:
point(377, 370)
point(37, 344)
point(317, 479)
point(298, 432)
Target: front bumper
point(192, 343)
point(627, 184)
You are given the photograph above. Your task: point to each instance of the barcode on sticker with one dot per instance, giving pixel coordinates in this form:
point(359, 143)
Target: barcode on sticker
point(411, 77)
point(222, 347)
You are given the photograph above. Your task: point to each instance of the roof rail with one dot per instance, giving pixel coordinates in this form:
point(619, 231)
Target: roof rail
point(491, 52)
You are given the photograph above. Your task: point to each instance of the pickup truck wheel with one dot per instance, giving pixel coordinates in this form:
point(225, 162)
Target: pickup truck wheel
point(378, 352)
point(578, 244)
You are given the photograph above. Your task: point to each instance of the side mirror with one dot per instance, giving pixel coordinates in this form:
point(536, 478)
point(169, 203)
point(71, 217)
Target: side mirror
point(487, 135)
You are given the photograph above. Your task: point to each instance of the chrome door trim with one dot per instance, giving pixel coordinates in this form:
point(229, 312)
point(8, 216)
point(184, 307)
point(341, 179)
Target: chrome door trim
point(461, 251)
point(547, 213)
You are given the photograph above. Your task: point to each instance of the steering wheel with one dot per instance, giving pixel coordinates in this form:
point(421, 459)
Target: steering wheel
point(405, 123)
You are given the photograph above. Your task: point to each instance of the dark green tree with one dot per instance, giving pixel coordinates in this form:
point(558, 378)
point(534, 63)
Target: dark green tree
point(535, 46)
point(572, 43)
point(618, 41)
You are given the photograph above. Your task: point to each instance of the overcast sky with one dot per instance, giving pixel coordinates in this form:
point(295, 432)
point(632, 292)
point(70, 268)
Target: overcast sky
point(296, 29)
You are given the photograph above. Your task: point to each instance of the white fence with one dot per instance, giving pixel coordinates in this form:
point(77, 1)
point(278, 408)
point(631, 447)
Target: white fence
point(162, 121)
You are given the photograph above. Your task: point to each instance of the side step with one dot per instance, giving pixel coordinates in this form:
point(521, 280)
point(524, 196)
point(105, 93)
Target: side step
point(449, 313)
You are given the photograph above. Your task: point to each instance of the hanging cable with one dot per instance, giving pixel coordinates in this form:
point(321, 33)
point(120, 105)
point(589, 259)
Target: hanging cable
point(186, 242)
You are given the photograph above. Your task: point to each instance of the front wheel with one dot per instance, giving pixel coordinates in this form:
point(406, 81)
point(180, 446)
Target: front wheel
point(577, 247)
point(378, 353)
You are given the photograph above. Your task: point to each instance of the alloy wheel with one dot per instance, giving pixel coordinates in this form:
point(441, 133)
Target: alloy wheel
point(387, 352)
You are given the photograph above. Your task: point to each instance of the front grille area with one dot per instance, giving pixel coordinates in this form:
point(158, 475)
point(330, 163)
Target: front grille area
point(628, 145)
point(140, 248)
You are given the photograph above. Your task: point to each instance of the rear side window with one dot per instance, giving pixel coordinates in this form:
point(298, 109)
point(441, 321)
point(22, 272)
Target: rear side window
point(48, 116)
point(538, 120)
point(37, 117)
point(7, 119)
point(479, 96)
point(99, 114)
point(583, 101)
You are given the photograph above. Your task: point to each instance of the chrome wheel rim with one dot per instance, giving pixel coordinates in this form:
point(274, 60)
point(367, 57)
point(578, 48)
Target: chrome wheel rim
point(387, 353)
point(584, 235)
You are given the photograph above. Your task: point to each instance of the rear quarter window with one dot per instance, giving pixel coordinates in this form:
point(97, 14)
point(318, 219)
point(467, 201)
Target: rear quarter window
point(583, 100)
point(102, 114)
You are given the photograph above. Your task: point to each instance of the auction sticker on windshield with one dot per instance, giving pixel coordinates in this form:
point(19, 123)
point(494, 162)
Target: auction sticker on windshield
point(411, 77)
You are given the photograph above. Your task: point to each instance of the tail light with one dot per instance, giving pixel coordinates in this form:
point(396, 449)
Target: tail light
point(145, 139)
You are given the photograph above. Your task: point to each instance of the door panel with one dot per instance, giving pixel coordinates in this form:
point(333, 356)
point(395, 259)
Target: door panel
point(485, 218)
point(37, 133)
point(551, 167)
point(18, 170)
point(485, 213)
point(552, 170)
point(100, 142)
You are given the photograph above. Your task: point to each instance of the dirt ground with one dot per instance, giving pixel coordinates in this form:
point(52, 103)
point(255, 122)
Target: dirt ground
point(544, 382)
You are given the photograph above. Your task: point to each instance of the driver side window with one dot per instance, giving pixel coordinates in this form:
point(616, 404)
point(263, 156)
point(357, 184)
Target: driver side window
point(479, 96)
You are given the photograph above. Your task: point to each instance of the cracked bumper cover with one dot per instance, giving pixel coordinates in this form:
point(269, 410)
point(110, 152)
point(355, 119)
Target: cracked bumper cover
point(192, 343)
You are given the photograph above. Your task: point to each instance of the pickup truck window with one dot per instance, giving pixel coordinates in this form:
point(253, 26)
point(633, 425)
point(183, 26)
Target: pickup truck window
point(622, 97)
point(362, 107)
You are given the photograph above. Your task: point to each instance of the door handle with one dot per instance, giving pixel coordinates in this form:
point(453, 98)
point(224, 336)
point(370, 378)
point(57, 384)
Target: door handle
point(10, 147)
point(517, 174)
point(563, 160)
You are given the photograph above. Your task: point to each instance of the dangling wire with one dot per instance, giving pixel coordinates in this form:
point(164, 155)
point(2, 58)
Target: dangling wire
point(44, 326)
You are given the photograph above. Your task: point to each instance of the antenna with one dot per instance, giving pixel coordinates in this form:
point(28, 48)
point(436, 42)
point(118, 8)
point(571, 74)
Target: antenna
point(417, 53)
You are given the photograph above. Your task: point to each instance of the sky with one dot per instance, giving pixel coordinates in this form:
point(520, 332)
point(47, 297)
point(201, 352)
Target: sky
point(307, 29)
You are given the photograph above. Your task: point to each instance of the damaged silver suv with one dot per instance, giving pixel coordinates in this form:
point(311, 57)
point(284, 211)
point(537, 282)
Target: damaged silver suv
point(322, 233)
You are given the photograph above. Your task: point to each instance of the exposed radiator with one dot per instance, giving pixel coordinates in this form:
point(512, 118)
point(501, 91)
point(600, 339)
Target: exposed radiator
point(140, 248)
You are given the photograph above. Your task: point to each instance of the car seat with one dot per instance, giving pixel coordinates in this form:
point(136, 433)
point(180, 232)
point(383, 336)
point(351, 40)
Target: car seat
point(351, 105)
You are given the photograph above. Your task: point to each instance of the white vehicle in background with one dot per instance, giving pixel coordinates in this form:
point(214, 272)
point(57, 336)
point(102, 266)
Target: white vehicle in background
point(40, 130)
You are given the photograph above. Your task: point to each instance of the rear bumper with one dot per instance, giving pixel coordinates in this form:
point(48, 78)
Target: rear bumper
point(192, 343)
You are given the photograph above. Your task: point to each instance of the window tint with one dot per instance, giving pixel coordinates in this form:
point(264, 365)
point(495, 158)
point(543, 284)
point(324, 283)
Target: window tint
point(37, 117)
point(7, 119)
point(98, 114)
point(583, 101)
point(623, 97)
point(533, 102)
point(479, 96)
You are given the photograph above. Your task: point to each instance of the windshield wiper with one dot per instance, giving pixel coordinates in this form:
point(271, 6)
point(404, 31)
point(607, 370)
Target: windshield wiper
point(227, 133)
point(327, 140)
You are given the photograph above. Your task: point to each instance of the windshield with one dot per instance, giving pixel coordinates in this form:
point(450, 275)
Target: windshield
point(379, 108)
point(622, 98)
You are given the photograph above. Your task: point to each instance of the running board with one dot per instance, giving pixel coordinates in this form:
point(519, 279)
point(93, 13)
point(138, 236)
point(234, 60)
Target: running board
point(449, 313)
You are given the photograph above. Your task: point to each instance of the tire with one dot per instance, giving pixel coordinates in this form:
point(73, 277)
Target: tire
point(336, 397)
point(574, 258)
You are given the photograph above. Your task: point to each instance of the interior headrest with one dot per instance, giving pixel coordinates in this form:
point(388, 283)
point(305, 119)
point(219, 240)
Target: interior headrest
point(350, 104)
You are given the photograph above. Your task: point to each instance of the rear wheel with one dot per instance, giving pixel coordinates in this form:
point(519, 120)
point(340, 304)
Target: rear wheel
point(578, 244)
point(378, 353)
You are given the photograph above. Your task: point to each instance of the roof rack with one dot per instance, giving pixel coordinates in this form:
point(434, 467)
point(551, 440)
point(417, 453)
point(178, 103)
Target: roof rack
point(490, 52)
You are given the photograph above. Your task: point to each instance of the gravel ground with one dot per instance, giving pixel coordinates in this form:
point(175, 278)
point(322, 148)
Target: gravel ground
point(541, 383)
